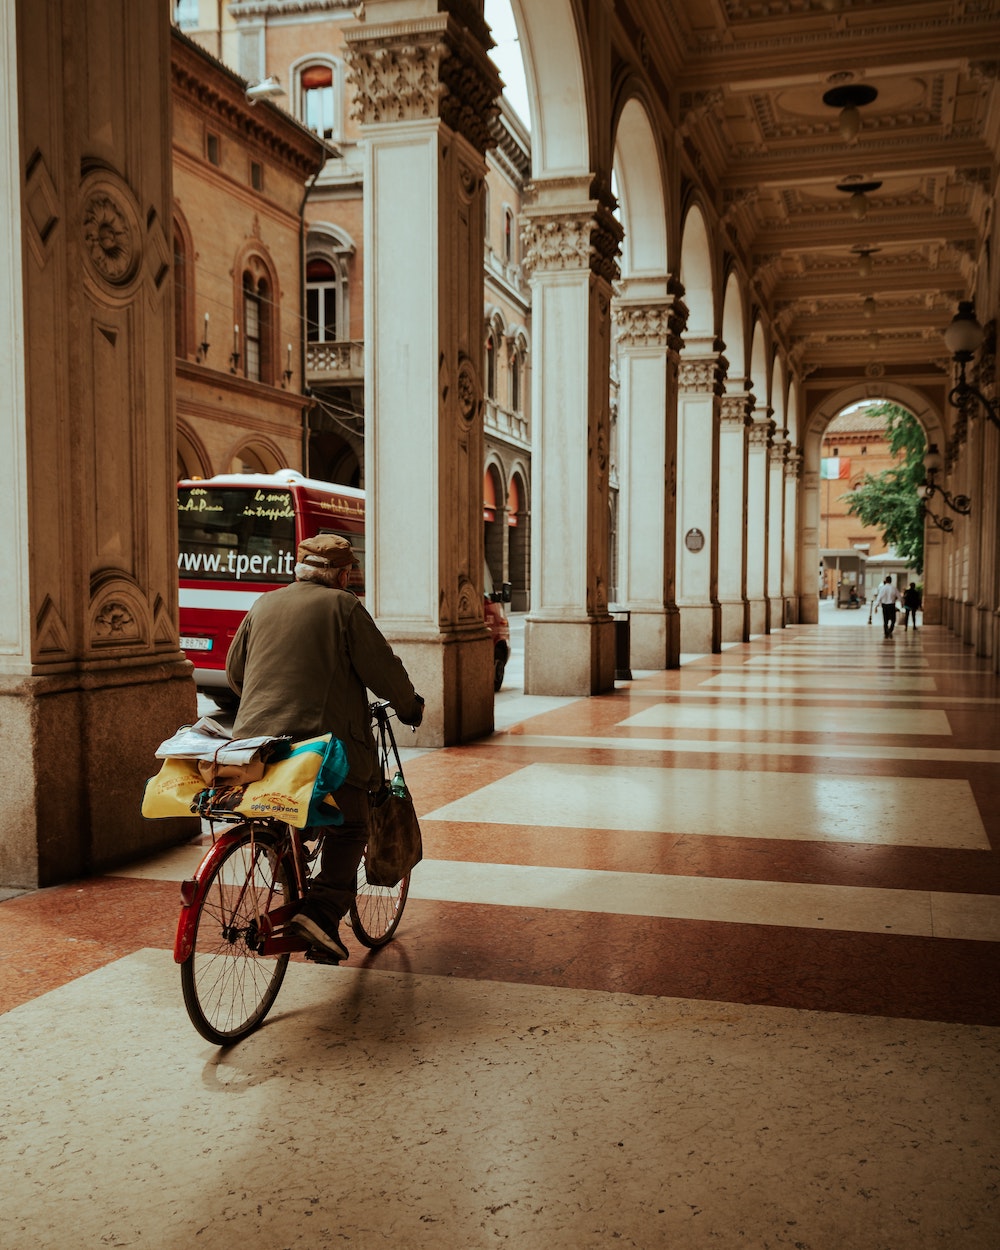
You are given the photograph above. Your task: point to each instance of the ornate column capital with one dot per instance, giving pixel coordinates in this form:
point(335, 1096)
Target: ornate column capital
point(736, 409)
point(569, 242)
point(652, 323)
point(793, 463)
point(424, 68)
point(761, 429)
point(581, 234)
point(703, 371)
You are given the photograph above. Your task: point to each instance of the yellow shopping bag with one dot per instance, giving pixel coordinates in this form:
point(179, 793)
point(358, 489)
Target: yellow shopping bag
point(296, 788)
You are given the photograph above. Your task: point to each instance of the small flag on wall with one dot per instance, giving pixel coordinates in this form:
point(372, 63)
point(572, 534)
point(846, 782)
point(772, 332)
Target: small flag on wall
point(835, 467)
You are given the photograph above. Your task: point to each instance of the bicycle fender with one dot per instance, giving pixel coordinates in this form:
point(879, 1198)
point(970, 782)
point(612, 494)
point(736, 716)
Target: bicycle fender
point(193, 891)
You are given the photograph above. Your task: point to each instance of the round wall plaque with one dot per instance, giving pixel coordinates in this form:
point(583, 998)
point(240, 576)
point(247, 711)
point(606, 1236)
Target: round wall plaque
point(694, 540)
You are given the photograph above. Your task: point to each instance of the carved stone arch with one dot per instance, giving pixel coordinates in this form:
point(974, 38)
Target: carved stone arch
point(559, 91)
point(119, 615)
point(185, 333)
point(193, 459)
point(698, 270)
point(760, 360)
point(260, 453)
point(735, 327)
point(814, 426)
point(642, 187)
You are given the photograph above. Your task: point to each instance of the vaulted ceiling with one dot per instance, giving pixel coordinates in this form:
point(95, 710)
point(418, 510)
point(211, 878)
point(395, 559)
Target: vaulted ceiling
point(747, 80)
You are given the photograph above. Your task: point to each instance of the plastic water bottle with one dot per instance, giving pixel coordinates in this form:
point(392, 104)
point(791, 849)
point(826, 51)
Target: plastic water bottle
point(398, 785)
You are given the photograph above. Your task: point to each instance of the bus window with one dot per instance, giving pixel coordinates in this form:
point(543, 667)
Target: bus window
point(235, 534)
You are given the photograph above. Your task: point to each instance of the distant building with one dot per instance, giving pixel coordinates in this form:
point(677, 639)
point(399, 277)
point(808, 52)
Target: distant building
point(854, 444)
point(238, 173)
point(304, 53)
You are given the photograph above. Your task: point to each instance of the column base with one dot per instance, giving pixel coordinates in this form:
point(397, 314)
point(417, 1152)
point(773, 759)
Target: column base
point(734, 620)
point(78, 750)
point(700, 628)
point(574, 658)
point(454, 673)
point(649, 638)
point(757, 613)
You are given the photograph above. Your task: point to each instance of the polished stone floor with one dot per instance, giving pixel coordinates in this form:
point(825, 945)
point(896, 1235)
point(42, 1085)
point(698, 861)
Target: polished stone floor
point(708, 961)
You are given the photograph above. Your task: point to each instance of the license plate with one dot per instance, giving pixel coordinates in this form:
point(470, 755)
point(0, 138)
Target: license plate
point(196, 644)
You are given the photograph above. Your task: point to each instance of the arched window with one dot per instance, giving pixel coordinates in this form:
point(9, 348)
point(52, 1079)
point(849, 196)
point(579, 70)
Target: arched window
point(491, 364)
point(321, 301)
point(257, 364)
point(515, 381)
point(319, 93)
point(182, 295)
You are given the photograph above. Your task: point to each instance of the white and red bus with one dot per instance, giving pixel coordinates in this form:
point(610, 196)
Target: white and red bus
point(237, 538)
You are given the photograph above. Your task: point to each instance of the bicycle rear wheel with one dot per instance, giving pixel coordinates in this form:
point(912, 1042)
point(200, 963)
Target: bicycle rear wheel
point(229, 986)
point(377, 909)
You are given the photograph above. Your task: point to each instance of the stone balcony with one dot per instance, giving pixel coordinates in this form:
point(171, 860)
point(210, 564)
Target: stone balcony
point(512, 426)
point(335, 362)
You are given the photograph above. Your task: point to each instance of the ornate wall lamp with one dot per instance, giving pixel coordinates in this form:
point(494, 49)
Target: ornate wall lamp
point(963, 338)
point(929, 487)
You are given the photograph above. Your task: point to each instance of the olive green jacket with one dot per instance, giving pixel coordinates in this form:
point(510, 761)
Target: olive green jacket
point(303, 661)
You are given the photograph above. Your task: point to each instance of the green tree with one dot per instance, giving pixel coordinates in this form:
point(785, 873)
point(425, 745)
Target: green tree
point(889, 500)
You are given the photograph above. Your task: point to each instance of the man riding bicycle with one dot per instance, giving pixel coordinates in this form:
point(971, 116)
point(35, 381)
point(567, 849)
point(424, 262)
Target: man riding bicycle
point(302, 662)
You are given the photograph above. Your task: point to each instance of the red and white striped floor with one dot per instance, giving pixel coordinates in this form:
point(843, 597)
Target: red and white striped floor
point(711, 960)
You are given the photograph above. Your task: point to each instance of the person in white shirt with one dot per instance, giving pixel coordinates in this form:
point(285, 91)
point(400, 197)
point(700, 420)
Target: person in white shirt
point(886, 598)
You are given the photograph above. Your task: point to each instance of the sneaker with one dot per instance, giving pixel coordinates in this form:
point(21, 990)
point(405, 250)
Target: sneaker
point(307, 924)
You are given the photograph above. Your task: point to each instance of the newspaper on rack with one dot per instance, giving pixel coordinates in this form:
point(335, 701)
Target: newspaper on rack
point(206, 739)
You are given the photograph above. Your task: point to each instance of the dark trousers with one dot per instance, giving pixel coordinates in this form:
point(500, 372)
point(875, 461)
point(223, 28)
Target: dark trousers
point(335, 885)
point(909, 613)
point(888, 618)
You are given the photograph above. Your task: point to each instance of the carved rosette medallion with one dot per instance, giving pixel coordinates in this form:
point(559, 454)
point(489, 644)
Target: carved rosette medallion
point(115, 621)
point(430, 67)
point(470, 401)
point(110, 230)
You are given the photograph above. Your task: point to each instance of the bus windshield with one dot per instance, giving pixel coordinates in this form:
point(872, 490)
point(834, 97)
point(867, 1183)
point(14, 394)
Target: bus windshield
point(234, 533)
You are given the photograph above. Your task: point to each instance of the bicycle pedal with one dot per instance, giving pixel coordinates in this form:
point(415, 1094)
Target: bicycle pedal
point(317, 956)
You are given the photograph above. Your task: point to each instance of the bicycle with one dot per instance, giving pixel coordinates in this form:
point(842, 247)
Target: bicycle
point(231, 945)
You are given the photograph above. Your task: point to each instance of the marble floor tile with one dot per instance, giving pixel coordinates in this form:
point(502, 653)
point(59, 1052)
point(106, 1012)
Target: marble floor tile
point(748, 804)
point(433, 1112)
point(794, 719)
point(707, 960)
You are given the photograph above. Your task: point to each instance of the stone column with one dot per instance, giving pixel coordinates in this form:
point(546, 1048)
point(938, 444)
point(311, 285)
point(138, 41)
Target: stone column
point(776, 532)
point(759, 440)
point(425, 95)
point(735, 408)
point(701, 379)
point(807, 574)
point(91, 675)
point(570, 241)
point(935, 575)
point(647, 348)
point(790, 579)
